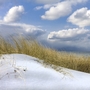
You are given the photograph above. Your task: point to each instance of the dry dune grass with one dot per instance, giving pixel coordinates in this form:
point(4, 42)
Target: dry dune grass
point(50, 56)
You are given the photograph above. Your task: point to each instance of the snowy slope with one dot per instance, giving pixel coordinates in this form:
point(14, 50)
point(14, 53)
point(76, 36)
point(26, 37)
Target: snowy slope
point(22, 72)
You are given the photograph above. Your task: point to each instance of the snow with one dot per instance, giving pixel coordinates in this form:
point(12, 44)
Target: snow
point(23, 72)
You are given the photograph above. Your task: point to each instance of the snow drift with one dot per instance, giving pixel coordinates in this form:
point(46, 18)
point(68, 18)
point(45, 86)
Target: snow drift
point(22, 72)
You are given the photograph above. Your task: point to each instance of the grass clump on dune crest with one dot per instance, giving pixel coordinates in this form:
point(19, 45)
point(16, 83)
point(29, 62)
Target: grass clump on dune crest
point(50, 56)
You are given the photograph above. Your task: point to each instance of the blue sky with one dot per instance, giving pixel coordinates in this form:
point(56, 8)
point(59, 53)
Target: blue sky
point(61, 24)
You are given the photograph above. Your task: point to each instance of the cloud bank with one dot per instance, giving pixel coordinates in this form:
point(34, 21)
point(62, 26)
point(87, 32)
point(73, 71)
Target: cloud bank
point(70, 34)
point(18, 29)
point(75, 39)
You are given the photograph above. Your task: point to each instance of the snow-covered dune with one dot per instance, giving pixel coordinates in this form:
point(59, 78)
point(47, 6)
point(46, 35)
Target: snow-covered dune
point(22, 72)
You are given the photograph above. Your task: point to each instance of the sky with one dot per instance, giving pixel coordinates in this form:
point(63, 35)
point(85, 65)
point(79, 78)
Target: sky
point(60, 24)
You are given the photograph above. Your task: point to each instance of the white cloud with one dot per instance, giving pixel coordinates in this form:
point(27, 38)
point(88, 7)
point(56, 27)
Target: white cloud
point(38, 7)
point(70, 34)
point(61, 9)
point(7, 29)
point(80, 17)
point(46, 6)
point(14, 14)
point(58, 11)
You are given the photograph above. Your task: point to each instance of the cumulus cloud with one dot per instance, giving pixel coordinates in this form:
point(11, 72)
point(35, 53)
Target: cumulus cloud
point(70, 34)
point(61, 9)
point(10, 29)
point(80, 17)
point(14, 14)
point(58, 11)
